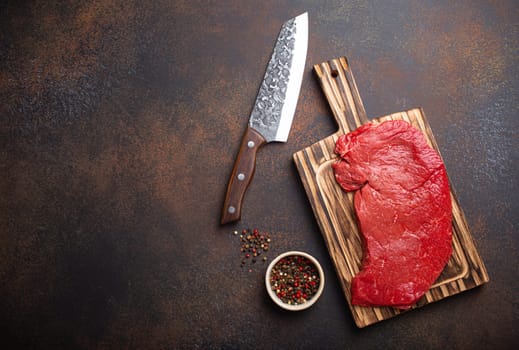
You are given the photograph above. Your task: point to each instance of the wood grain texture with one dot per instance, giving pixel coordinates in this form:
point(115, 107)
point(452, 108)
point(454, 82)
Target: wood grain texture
point(334, 211)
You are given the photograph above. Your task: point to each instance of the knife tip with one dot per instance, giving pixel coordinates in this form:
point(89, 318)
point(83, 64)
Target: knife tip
point(302, 17)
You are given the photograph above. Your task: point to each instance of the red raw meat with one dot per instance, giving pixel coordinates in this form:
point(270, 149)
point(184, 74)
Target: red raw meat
point(403, 206)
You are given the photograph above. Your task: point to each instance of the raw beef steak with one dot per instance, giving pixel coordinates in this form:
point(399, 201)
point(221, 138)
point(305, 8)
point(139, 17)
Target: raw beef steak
point(403, 207)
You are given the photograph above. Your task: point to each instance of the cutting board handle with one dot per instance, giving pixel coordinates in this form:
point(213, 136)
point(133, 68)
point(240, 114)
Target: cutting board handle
point(341, 91)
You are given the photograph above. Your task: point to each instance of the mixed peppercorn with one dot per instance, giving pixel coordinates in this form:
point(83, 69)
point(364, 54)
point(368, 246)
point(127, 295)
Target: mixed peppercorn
point(254, 245)
point(294, 279)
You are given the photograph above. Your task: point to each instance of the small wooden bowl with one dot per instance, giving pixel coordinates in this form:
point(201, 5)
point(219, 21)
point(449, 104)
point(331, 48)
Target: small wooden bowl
point(309, 302)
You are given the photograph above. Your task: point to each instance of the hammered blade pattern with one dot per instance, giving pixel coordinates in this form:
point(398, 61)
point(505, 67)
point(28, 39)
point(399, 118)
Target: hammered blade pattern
point(266, 115)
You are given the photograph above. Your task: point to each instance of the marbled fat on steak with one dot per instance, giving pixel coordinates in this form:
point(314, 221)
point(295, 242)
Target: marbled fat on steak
point(404, 211)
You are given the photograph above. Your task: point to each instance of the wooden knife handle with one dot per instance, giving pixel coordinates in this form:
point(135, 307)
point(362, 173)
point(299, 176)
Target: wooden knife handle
point(241, 176)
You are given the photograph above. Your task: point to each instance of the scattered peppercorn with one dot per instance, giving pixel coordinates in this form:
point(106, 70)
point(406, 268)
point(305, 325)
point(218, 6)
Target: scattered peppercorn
point(253, 244)
point(294, 279)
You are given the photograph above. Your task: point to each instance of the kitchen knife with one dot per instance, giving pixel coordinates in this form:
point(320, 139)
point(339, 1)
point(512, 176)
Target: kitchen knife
point(273, 111)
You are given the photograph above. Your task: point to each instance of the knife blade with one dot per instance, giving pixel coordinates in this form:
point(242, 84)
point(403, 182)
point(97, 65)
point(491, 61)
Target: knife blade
point(273, 111)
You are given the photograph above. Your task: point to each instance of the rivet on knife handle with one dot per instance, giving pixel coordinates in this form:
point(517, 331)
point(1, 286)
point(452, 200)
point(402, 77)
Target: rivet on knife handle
point(241, 176)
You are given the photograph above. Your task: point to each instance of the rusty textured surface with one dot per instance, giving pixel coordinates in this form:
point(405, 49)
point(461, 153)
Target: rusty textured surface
point(119, 123)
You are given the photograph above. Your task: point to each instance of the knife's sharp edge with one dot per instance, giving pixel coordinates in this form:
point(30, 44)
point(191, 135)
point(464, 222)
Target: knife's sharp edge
point(295, 80)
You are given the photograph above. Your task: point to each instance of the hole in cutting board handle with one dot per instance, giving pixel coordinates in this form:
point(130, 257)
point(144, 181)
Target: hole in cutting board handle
point(335, 73)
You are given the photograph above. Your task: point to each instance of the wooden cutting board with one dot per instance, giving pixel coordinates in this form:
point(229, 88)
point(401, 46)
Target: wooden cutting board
point(334, 211)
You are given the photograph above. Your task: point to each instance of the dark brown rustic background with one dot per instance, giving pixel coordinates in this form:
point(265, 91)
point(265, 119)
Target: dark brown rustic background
point(119, 123)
